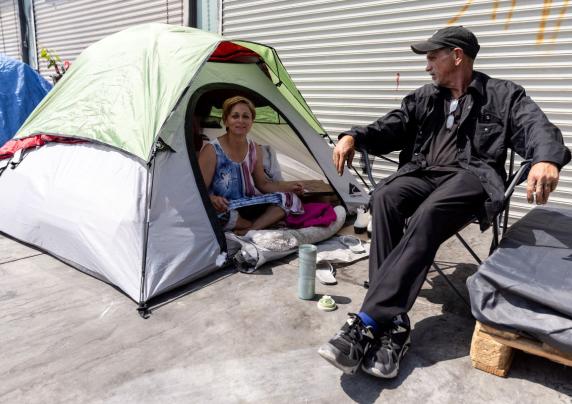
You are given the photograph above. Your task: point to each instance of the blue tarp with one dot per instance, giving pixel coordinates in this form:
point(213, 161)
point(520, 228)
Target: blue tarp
point(21, 89)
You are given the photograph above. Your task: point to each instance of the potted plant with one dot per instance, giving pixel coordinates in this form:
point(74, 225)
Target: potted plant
point(54, 61)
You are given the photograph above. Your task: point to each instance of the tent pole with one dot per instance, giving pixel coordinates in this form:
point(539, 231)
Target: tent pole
point(143, 308)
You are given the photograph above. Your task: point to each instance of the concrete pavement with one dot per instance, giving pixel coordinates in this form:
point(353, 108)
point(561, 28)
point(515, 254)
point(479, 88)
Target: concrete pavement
point(69, 338)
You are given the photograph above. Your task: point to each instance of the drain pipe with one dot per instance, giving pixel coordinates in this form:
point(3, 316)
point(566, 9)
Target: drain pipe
point(24, 47)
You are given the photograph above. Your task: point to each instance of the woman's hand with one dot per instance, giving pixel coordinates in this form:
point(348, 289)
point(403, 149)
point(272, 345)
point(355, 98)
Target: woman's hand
point(295, 187)
point(220, 204)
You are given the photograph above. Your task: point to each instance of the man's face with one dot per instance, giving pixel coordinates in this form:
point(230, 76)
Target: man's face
point(441, 65)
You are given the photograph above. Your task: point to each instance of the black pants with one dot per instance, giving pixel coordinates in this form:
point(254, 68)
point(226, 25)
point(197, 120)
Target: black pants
point(438, 203)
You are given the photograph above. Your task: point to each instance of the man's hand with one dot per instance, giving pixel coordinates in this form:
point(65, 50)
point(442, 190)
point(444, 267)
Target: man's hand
point(542, 180)
point(344, 151)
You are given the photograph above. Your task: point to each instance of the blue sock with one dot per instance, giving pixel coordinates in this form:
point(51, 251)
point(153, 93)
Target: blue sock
point(368, 321)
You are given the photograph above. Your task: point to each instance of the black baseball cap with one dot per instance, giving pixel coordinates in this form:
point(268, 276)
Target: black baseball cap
point(450, 37)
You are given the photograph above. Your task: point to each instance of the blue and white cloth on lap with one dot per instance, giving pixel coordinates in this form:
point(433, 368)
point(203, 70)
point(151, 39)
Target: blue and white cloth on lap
point(274, 198)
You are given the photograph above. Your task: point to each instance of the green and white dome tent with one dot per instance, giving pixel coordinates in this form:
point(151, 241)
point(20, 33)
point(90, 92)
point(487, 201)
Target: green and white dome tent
point(127, 204)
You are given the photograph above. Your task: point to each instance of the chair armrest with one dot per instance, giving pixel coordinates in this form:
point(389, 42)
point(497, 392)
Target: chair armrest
point(517, 178)
point(367, 164)
point(368, 168)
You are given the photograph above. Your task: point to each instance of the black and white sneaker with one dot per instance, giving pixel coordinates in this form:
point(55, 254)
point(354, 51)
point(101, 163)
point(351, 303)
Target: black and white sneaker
point(347, 348)
point(383, 358)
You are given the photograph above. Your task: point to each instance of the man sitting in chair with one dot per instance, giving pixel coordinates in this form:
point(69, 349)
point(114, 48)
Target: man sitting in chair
point(453, 136)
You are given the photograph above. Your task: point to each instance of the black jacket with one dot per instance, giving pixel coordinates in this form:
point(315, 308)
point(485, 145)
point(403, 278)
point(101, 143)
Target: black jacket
point(499, 115)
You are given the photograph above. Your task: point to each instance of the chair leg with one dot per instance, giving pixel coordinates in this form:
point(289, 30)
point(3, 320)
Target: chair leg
point(468, 248)
point(495, 240)
point(440, 271)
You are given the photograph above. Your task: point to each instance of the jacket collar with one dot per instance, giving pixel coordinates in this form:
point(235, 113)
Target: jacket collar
point(478, 83)
point(476, 86)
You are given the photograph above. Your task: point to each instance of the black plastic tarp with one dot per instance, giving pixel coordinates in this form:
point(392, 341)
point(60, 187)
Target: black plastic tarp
point(526, 284)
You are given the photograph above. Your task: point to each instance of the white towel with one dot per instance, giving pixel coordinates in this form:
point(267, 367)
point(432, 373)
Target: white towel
point(334, 251)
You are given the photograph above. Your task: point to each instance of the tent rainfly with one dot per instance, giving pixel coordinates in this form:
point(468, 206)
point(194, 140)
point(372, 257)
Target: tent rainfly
point(104, 176)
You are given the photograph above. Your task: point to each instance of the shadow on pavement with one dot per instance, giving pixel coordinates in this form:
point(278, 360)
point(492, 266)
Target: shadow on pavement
point(188, 288)
point(434, 339)
point(364, 388)
point(448, 336)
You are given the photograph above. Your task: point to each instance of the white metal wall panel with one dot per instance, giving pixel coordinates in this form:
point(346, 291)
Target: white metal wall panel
point(69, 26)
point(352, 61)
point(10, 41)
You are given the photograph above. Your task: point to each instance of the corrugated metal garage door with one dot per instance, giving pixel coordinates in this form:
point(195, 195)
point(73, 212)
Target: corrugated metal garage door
point(68, 27)
point(10, 41)
point(352, 62)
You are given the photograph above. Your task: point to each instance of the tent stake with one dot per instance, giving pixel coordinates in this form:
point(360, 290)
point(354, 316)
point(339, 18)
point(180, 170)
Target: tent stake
point(143, 310)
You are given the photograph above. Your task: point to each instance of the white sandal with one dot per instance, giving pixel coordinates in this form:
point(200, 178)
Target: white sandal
point(325, 273)
point(353, 243)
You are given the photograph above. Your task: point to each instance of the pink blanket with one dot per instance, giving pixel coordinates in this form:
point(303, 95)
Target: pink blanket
point(315, 214)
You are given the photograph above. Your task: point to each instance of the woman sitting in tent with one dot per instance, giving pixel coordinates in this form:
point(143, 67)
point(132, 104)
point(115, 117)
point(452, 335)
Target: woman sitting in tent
point(239, 189)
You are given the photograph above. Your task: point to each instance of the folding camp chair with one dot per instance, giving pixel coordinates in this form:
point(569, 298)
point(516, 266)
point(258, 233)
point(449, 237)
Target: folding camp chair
point(500, 222)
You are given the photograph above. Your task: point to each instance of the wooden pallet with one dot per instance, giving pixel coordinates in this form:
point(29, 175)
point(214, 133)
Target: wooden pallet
point(492, 350)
